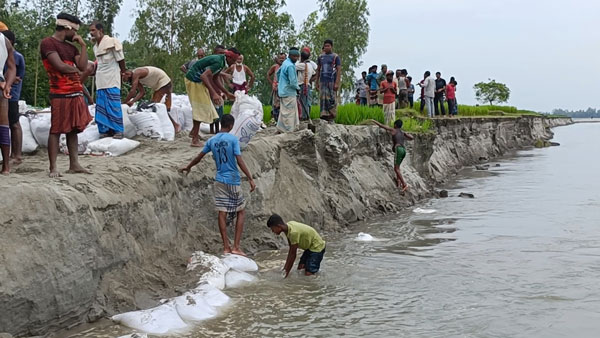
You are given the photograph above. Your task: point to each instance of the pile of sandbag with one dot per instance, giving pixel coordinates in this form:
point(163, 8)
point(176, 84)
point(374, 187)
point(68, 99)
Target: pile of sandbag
point(152, 120)
point(181, 111)
point(179, 314)
point(248, 113)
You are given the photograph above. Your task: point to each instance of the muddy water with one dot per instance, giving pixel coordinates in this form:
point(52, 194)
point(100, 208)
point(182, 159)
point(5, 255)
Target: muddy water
point(522, 259)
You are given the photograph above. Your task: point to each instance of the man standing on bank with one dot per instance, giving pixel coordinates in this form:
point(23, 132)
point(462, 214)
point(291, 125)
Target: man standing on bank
point(110, 67)
point(70, 115)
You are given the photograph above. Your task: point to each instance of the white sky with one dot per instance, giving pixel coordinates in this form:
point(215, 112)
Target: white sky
point(546, 51)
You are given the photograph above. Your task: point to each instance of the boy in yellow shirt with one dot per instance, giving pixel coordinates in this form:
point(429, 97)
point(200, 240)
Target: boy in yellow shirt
point(300, 236)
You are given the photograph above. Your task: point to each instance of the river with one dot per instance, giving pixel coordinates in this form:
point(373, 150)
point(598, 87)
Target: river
point(521, 259)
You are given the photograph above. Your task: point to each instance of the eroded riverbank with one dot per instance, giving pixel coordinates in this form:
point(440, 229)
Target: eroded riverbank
point(79, 248)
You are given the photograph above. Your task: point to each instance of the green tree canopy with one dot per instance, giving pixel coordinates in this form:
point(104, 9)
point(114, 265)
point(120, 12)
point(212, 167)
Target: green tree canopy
point(491, 92)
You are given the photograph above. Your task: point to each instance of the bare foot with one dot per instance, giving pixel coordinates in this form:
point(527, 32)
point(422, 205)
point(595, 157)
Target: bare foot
point(79, 170)
point(238, 252)
point(54, 174)
point(5, 172)
point(177, 127)
point(306, 273)
point(227, 251)
point(405, 188)
point(301, 266)
point(15, 161)
point(197, 144)
point(118, 136)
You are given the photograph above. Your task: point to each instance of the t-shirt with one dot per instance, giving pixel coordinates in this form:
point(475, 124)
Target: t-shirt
point(429, 87)
point(305, 71)
point(15, 90)
point(328, 63)
point(305, 237)
point(287, 81)
point(108, 71)
point(450, 92)
point(216, 63)
point(361, 85)
point(439, 83)
point(372, 81)
point(60, 83)
point(402, 83)
point(225, 147)
point(389, 96)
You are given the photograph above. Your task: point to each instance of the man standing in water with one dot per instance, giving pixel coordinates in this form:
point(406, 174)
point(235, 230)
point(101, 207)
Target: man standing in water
point(7, 78)
point(110, 67)
point(227, 187)
point(272, 78)
point(329, 72)
point(70, 114)
point(299, 236)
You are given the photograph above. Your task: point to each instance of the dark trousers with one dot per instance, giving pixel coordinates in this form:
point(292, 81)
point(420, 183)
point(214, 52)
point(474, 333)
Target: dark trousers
point(422, 105)
point(411, 101)
point(363, 101)
point(452, 107)
point(439, 99)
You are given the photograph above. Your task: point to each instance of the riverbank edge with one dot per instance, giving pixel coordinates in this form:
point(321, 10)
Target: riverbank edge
point(78, 250)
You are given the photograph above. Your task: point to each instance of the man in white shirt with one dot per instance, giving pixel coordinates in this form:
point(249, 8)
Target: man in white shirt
point(306, 71)
point(110, 65)
point(428, 85)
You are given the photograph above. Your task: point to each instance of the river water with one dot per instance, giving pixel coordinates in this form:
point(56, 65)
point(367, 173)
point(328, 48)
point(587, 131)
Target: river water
point(522, 259)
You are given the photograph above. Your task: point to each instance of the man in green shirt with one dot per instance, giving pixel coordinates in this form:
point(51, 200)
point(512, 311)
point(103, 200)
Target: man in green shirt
point(300, 236)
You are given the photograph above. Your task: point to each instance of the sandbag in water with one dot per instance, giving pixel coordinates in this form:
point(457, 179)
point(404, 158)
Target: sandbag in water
point(160, 320)
point(424, 211)
point(234, 279)
point(364, 237)
point(239, 263)
point(213, 296)
point(215, 275)
point(193, 307)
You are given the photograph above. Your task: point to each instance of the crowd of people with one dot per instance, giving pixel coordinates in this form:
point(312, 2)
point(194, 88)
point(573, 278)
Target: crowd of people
point(209, 80)
point(391, 90)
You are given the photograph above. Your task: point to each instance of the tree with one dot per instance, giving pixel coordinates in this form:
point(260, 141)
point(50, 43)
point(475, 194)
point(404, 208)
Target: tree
point(105, 12)
point(346, 23)
point(491, 92)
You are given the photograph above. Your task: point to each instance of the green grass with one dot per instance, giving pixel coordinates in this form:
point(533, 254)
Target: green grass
point(413, 120)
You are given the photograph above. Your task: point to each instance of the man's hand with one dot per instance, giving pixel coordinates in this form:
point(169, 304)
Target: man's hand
point(77, 38)
point(252, 185)
point(184, 170)
point(5, 91)
point(274, 85)
point(217, 100)
point(129, 103)
point(317, 86)
point(183, 69)
point(17, 79)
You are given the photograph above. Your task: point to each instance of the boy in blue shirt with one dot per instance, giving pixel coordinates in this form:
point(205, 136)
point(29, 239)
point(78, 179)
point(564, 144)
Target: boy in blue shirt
point(229, 197)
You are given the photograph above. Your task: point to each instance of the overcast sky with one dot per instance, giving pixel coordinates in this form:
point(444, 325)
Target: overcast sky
point(546, 51)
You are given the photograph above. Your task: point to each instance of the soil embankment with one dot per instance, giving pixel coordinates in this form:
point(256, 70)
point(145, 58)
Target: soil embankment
point(80, 247)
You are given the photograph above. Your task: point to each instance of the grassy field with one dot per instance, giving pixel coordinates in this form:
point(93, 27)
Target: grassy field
point(414, 121)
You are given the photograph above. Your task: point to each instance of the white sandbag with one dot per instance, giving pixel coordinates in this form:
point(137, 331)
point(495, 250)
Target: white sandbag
point(215, 275)
point(40, 128)
point(129, 130)
point(192, 307)
point(364, 237)
point(160, 320)
point(111, 147)
point(22, 107)
point(239, 263)
point(213, 296)
point(424, 211)
point(146, 123)
point(92, 110)
point(29, 143)
point(181, 111)
point(166, 125)
point(205, 128)
point(244, 102)
point(89, 135)
point(234, 278)
point(246, 125)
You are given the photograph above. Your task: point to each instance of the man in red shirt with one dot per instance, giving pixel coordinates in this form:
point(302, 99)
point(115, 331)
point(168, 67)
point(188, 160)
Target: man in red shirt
point(70, 114)
point(389, 90)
